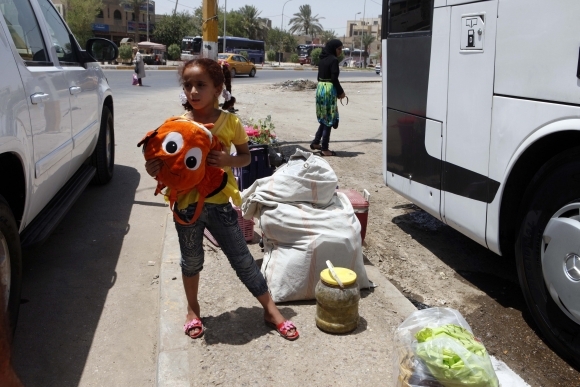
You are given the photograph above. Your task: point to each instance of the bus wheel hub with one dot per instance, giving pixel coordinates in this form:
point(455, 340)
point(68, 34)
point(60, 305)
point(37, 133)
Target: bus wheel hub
point(561, 259)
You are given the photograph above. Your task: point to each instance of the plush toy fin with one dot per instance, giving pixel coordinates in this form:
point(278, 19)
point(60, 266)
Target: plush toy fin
point(150, 134)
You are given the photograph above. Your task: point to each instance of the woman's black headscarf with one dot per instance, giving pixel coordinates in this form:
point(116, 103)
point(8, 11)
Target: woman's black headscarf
point(330, 48)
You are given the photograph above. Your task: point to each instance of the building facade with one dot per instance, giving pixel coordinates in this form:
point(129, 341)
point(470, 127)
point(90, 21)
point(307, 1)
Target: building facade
point(116, 22)
point(368, 26)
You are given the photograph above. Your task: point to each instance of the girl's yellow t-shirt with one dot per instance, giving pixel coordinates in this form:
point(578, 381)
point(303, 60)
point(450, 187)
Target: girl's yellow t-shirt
point(229, 130)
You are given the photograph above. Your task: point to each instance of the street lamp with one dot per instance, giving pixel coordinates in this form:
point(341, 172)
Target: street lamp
point(353, 45)
point(282, 25)
point(361, 40)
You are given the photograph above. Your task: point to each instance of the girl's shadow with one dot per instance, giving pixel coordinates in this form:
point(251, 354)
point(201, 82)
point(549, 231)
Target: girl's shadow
point(239, 326)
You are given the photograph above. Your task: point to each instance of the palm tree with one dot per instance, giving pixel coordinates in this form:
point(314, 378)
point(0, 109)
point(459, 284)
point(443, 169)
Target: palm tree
point(304, 22)
point(367, 40)
point(135, 5)
point(253, 25)
point(327, 35)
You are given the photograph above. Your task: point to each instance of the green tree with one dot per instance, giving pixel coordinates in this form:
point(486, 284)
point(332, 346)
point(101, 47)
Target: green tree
point(135, 5)
point(233, 24)
point(289, 42)
point(174, 51)
point(327, 35)
point(172, 28)
point(125, 52)
point(294, 58)
point(253, 26)
point(304, 22)
point(80, 17)
point(367, 40)
point(271, 55)
point(244, 54)
point(315, 56)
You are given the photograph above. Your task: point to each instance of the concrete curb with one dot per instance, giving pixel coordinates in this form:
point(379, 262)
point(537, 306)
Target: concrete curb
point(172, 360)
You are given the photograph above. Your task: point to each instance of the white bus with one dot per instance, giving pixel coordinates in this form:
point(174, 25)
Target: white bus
point(481, 128)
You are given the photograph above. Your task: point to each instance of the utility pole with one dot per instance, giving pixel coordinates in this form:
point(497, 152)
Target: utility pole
point(147, 20)
point(363, 35)
point(210, 29)
point(175, 9)
point(282, 29)
point(225, 17)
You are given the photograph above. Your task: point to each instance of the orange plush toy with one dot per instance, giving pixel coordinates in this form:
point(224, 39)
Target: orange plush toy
point(183, 146)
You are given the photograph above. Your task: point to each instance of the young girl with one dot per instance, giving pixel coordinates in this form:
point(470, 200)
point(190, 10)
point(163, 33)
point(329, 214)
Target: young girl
point(203, 81)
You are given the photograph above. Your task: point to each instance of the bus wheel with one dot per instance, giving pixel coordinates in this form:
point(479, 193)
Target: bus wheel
point(548, 252)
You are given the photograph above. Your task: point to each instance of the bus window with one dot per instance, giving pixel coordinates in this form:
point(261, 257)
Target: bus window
point(409, 16)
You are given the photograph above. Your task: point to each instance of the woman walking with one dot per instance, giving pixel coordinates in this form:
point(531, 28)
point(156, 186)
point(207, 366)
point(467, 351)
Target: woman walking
point(139, 65)
point(327, 92)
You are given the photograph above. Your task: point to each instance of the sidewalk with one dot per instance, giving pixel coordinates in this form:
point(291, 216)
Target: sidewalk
point(172, 65)
point(238, 350)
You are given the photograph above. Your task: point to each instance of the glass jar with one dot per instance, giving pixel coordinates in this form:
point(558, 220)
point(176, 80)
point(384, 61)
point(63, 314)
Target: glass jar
point(336, 308)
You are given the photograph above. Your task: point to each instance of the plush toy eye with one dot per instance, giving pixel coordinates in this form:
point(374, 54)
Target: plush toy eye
point(172, 143)
point(193, 159)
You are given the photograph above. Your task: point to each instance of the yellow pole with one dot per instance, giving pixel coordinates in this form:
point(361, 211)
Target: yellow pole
point(210, 29)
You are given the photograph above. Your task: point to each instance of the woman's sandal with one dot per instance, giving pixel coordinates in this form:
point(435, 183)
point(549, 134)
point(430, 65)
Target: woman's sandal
point(315, 146)
point(195, 323)
point(332, 153)
point(283, 329)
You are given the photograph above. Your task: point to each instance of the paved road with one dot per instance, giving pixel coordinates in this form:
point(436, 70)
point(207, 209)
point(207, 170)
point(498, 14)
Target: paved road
point(166, 79)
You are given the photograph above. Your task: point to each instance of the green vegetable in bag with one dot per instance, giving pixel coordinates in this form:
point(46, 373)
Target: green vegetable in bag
point(455, 357)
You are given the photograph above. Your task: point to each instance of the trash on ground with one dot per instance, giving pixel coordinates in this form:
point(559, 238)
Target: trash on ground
point(296, 85)
point(436, 347)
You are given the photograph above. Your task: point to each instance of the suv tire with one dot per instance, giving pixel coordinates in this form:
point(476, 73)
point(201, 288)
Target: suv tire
point(10, 262)
point(103, 157)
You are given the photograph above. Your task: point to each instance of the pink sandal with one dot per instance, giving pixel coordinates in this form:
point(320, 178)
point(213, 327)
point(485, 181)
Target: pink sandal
point(283, 329)
point(195, 323)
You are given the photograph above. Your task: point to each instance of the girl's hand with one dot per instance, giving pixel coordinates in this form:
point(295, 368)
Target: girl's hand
point(342, 96)
point(153, 166)
point(218, 159)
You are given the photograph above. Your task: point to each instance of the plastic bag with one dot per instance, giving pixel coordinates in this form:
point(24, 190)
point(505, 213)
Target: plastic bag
point(135, 79)
point(435, 347)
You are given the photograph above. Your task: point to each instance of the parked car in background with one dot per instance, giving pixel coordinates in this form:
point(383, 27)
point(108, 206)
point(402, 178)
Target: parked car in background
point(378, 68)
point(238, 64)
point(56, 128)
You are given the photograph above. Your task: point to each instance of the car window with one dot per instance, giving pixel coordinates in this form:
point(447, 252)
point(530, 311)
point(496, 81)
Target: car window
point(25, 32)
point(240, 58)
point(222, 56)
point(61, 39)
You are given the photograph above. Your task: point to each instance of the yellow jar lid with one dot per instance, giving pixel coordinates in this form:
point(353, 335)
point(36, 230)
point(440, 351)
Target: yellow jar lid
point(347, 276)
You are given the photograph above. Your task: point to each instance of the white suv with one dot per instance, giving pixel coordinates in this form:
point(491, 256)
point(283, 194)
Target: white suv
point(56, 128)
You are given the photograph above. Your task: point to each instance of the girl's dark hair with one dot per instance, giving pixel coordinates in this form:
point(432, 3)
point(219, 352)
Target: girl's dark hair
point(210, 66)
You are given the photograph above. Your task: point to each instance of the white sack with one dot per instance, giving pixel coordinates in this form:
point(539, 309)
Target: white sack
point(304, 223)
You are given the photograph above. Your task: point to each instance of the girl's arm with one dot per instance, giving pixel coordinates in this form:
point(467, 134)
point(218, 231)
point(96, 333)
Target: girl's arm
point(223, 159)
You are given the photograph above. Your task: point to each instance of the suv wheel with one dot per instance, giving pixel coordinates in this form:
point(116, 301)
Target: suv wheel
point(103, 158)
point(547, 252)
point(10, 263)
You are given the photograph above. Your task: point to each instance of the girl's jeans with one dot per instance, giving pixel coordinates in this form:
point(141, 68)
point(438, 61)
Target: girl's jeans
point(222, 221)
point(323, 133)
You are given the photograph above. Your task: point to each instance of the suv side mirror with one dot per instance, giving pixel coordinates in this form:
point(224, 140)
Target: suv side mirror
point(103, 50)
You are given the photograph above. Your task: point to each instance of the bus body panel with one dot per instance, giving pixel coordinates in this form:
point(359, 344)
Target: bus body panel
point(516, 125)
point(439, 65)
point(538, 52)
point(467, 132)
point(414, 159)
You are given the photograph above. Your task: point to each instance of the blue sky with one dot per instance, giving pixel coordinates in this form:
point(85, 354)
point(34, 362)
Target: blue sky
point(335, 12)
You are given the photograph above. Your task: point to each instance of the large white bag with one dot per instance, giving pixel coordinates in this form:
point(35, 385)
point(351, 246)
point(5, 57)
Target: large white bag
point(304, 222)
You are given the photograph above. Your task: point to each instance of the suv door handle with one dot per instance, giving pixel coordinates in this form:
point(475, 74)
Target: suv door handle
point(37, 98)
point(74, 90)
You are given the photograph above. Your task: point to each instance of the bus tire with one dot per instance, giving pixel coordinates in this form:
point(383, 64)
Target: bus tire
point(10, 262)
point(252, 73)
point(552, 196)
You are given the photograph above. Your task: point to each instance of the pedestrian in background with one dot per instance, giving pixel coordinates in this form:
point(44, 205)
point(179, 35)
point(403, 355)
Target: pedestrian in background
point(139, 66)
point(229, 98)
point(327, 91)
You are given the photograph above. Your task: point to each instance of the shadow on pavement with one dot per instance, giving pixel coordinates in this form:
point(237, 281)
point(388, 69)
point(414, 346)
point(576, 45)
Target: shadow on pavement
point(66, 282)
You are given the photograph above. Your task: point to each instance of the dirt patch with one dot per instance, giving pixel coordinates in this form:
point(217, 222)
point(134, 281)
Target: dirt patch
point(296, 85)
point(431, 263)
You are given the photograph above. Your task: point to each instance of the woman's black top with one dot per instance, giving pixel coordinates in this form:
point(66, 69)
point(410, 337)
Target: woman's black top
point(328, 71)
